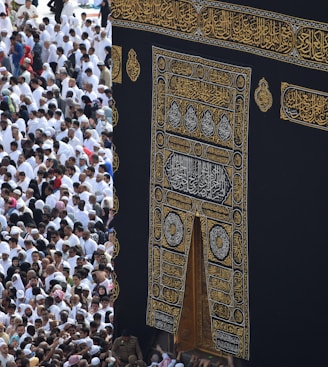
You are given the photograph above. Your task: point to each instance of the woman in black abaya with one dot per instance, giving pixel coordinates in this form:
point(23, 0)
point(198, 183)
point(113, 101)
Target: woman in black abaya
point(104, 12)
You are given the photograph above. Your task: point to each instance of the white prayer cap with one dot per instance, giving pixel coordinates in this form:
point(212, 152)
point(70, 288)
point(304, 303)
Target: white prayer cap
point(20, 205)
point(46, 147)
point(100, 112)
point(20, 293)
point(15, 230)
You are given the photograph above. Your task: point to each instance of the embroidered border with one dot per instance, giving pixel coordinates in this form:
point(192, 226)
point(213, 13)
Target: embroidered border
point(260, 32)
point(304, 106)
point(117, 64)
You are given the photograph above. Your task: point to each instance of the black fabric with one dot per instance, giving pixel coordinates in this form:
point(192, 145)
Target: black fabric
point(287, 204)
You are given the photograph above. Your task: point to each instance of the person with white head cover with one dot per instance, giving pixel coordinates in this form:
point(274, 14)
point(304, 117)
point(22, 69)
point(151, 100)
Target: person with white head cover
point(17, 282)
point(103, 124)
point(89, 139)
point(5, 40)
point(47, 71)
point(64, 26)
point(5, 22)
point(4, 262)
point(3, 221)
point(16, 241)
point(20, 297)
point(5, 357)
point(27, 311)
point(6, 133)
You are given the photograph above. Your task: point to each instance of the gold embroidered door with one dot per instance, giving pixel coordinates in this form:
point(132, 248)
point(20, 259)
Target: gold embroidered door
point(195, 325)
point(198, 274)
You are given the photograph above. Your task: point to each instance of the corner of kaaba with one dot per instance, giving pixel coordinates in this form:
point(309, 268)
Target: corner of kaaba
point(221, 113)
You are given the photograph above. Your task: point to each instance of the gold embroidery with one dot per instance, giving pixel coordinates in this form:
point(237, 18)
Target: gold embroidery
point(261, 32)
point(116, 203)
point(116, 160)
point(133, 66)
point(199, 160)
point(115, 115)
point(304, 106)
point(263, 96)
point(117, 64)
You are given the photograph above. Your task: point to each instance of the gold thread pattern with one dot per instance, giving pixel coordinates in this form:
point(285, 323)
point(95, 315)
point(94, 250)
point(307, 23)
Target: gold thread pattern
point(199, 168)
point(115, 115)
point(116, 245)
point(304, 106)
point(133, 66)
point(116, 160)
point(117, 64)
point(116, 203)
point(263, 96)
point(261, 32)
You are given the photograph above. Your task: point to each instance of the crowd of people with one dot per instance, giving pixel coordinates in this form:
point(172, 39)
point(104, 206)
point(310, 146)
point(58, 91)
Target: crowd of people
point(57, 213)
point(56, 176)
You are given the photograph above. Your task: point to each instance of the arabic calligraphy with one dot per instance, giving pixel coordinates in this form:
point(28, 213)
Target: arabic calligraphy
point(117, 64)
point(198, 178)
point(263, 96)
point(133, 66)
point(199, 161)
point(177, 14)
point(264, 33)
point(304, 106)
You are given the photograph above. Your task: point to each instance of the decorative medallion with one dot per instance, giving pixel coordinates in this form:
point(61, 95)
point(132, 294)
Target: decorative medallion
point(158, 194)
point(207, 124)
point(115, 115)
point(219, 242)
point(156, 290)
point(224, 128)
point(116, 202)
point(173, 229)
point(133, 66)
point(190, 119)
point(116, 244)
point(160, 139)
point(238, 316)
point(174, 115)
point(161, 63)
point(263, 96)
point(116, 159)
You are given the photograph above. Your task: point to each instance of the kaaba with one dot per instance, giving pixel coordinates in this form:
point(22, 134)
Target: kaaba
point(221, 136)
